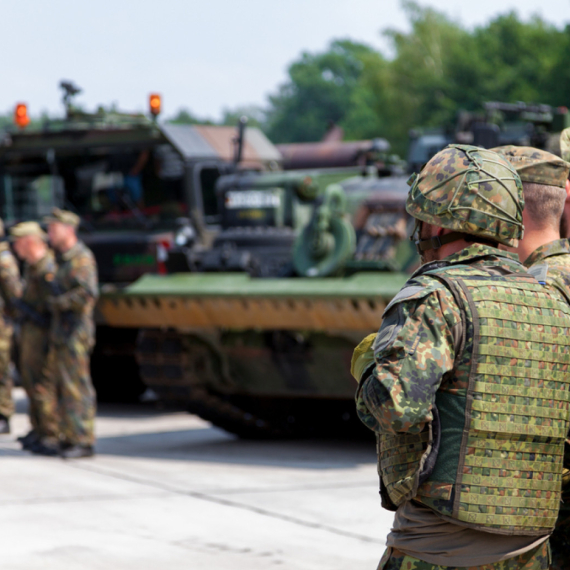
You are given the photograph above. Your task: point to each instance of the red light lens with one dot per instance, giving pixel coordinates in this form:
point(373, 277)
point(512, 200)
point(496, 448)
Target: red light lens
point(154, 103)
point(21, 115)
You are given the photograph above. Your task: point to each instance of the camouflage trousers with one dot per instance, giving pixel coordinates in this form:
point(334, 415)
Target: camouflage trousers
point(33, 353)
point(6, 384)
point(66, 395)
point(536, 559)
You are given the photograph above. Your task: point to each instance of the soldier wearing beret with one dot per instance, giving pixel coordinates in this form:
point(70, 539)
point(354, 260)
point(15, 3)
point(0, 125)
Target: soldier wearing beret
point(10, 289)
point(544, 177)
point(30, 244)
point(72, 334)
point(468, 396)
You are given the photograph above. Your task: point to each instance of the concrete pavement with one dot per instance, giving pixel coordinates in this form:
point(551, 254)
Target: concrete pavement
point(167, 490)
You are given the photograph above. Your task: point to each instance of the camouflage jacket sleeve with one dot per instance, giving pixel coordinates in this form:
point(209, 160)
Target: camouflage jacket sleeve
point(81, 282)
point(10, 282)
point(414, 349)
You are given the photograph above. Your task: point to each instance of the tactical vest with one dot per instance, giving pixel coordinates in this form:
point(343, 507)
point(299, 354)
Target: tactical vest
point(493, 458)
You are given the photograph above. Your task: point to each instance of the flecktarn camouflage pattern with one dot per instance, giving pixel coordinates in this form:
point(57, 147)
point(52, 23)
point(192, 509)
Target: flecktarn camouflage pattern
point(504, 473)
point(565, 144)
point(550, 264)
point(34, 341)
point(517, 408)
point(71, 342)
point(535, 165)
point(10, 288)
point(536, 559)
point(470, 190)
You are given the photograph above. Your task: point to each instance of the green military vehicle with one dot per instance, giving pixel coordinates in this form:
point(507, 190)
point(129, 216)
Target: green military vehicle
point(498, 124)
point(269, 356)
point(261, 214)
point(135, 183)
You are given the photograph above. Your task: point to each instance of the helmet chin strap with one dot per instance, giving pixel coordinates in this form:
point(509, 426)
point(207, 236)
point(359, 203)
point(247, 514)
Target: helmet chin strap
point(436, 242)
point(433, 242)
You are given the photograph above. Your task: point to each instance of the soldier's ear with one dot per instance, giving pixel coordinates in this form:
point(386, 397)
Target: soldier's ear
point(567, 190)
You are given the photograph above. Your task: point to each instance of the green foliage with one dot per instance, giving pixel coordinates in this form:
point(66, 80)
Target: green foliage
point(438, 68)
point(323, 88)
point(185, 117)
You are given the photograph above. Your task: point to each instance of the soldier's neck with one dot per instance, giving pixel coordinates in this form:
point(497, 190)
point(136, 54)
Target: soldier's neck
point(449, 248)
point(535, 238)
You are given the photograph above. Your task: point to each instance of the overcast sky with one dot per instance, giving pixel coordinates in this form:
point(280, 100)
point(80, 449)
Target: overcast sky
point(204, 55)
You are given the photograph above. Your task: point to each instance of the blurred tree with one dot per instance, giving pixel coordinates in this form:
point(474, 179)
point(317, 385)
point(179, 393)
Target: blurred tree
point(185, 117)
point(321, 89)
point(418, 80)
point(517, 59)
point(439, 67)
point(559, 84)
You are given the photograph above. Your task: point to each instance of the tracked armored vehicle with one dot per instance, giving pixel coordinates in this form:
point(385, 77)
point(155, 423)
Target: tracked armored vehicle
point(269, 356)
point(136, 183)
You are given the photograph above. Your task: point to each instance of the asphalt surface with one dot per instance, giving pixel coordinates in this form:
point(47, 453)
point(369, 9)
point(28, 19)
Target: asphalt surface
point(167, 490)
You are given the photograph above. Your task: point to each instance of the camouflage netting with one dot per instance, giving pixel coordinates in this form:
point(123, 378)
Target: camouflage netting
point(470, 190)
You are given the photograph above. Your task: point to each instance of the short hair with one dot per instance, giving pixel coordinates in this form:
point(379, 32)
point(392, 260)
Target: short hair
point(544, 204)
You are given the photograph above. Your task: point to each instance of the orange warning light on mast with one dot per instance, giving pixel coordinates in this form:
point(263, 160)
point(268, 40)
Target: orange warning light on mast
point(154, 103)
point(21, 115)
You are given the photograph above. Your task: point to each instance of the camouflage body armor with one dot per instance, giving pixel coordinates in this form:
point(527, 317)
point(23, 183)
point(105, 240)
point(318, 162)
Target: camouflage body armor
point(492, 458)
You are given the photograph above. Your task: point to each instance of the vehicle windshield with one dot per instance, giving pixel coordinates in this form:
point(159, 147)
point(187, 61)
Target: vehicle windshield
point(115, 191)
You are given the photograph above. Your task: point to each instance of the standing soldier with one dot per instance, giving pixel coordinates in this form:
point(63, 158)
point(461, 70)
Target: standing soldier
point(468, 396)
point(30, 245)
point(10, 289)
point(545, 184)
point(544, 177)
point(72, 335)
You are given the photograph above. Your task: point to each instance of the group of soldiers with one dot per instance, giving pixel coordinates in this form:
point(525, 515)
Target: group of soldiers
point(53, 304)
point(467, 382)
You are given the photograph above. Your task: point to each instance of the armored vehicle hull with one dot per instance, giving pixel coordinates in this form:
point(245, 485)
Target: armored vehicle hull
point(257, 357)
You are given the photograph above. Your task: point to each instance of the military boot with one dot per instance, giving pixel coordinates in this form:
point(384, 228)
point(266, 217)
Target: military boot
point(77, 451)
point(4, 424)
point(29, 439)
point(41, 447)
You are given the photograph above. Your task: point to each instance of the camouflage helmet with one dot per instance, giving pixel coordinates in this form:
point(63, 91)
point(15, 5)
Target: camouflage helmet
point(470, 190)
point(535, 165)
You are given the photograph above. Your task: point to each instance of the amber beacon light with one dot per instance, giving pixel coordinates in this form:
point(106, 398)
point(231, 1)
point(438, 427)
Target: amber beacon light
point(21, 115)
point(154, 104)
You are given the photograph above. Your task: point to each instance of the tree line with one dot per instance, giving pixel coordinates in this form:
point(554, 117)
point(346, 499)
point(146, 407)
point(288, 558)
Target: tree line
point(433, 71)
point(436, 69)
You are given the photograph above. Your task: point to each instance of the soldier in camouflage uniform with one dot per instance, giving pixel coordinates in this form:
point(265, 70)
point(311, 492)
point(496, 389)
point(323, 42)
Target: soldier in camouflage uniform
point(544, 177)
point(72, 335)
point(470, 435)
point(565, 151)
point(30, 245)
point(10, 289)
